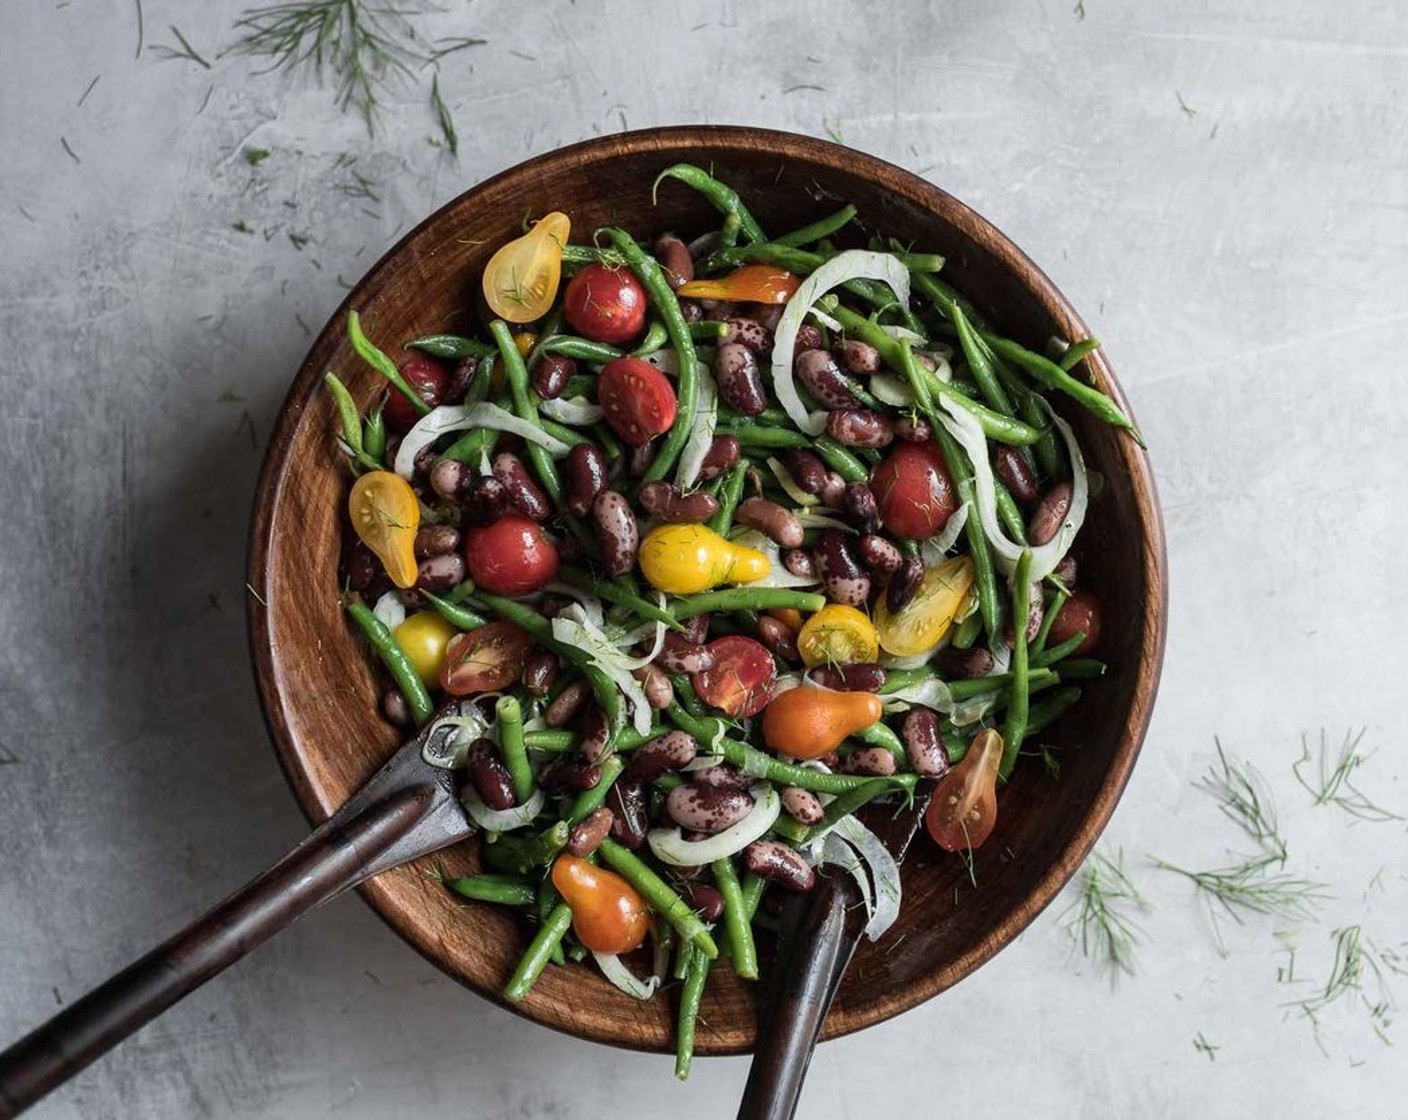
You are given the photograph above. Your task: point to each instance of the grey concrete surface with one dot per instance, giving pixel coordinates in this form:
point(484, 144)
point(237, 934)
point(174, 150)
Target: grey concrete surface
point(1221, 188)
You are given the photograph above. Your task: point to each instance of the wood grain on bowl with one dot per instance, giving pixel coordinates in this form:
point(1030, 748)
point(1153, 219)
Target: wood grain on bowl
point(317, 687)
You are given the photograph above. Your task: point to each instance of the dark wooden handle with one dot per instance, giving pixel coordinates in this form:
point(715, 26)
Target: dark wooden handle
point(332, 859)
point(818, 935)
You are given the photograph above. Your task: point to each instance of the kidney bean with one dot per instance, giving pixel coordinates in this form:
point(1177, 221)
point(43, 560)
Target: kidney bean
point(440, 573)
point(587, 836)
point(436, 540)
point(1066, 571)
point(723, 776)
point(395, 708)
point(706, 808)
point(871, 761)
point(808, 338)
point(551, 374)
point(833, 491)
point(703, 899)
point(806, 469)
point(800, 563)
point(777, 863)
point(679, 655)
point(673, 255)
point(914, 429)
point(539, 673)
point(587, 474)
point(1036, 611)
point(627, 801)
point(879, 555)
point(665, 501)
point(749, 333)
point(448, 477)
point(963, 664)
point(860, 427)
point(842, 577)
point(768, 517)
point(673, 750)
point(903, 584)
point(692, 311)
point(801, 805)
point(859, 506)
point(489, 775)
point(860, 676)
point(596, 734)
point(859, 357)
point(461, 378)
point(655, 683)
point(570, 775)
point(723, 455)
point(361, 566)
point(638, 459)
point(768, 314)
point(923, 745)
point(564, 709)
point(1049, 515)
point(523, 493)
point(696, 629)
point(818, 371)
point(424, 461)
point(1015, 473)
point(485, 500)
point(616, 532)
point(740, 384)
point(778, 638)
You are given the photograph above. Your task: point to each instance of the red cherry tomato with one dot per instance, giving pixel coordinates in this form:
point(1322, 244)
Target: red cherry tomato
point(740, 682)
point(605, 304)
point(513, 556)
point(638, 400)
point(964, 807)
point(485, 660)
point(914, 491)
point(429, 380)
point(1080, 615)
point(608, 914)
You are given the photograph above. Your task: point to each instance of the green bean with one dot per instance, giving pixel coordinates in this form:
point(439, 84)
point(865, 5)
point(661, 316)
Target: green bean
point(879, 734)
point(575, 256)
point(590, 800)
point(921, 263)
point(753, 888)
point(1053, 608)
point(1047, 454)
point(1049, 710)
point(737, 922)
point(822, 227)
point(745, 598)
point(462, 618)
point(667, 782)
point(1077, 353)
point(684, 953)
point(1052, 376)
point(945, 297)
point(847, 803)
point(512, 746)
point(451, 346)
point(728, 235)
point(535, 959)
point(506, 890)
point(967, 632)
point(1080, 668)
point(351, 423)
point(729, 495)
point(1057, 652)
point(1008, 513)
point(581, 349)
point(556, 741)
point(374, 435)
point(547, 899)
point(691, 994)
point(618, 591)
point(979, 363)
point(840, 460)
point(519, 852)
point(1014, 726)
point(402, 671)
point(685, 695)
point(662, 297)
point(478, 442)
point(721, 196)
point(525, 409)
point(709, 330)
point(380, 362)
point(655, 339)
point(984, 573)
point(659, 895)
point(569, 436)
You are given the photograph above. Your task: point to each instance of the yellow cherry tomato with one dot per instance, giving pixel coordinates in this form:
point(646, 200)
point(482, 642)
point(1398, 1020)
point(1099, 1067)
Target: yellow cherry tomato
point(521, 279)
point(685, 559)
point(523, 342)
point(927, 617)
point(838, 635)
point(424, 636)
point(386, 515)
point(810, 722)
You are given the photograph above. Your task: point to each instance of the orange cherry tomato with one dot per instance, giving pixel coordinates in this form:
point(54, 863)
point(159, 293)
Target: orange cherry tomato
point(753, 283)
point(485, 659)
point(964, 808)
point(608, 915)
point(810, 722)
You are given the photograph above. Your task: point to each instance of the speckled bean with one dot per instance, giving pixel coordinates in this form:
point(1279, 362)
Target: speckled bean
point(1049, 514)
point(963, 664)
point(777, 636)
point(436, 540)
point(780, 524)
point(806, 469)
point(616, 532)
point(818, 371)
point(860, 676)
point(842, 577)
point(655, 683)
point(672, 751)
point(777, 863)
point(448, 477)
point(570, 775)
point(485, 500)
point(723, 455)
point(722, 776)
point(914, 429)
point(859, 357)
point(879, 555)
point(665, 501)
point(638, 459)
point(808, 338)
point(860, 427)
point(596, 735)
point(564, 709)
point(740, 383)
point(523, 493)
point(874, 762)
point(859, 506)
point(627, 802)
point(747, 332)
point(678, 655)
point(586, 837)
point(802, 805)
point(923, 745)
point(440, 573)
point(800, 563)
point(904, 583)
point(706, 808)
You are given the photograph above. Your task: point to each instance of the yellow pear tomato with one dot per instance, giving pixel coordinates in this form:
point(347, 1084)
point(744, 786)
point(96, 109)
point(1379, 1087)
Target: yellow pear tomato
point(521, 279)
point(385, 516)
point(685, 559)
point(927, 617)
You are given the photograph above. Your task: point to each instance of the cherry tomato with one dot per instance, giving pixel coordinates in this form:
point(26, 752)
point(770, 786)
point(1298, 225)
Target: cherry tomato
point(513, 556)
point(429, 380)
point(753, 283)
point(486, 659)
point(914, 491)
point(926, 618)
point(638, 400)
point(1080, 615)
point(605, 304)
point(385, 516)
point(964, 807)
point(425, 636)
point(521, 279)
point(608, 914)
point(740, 682)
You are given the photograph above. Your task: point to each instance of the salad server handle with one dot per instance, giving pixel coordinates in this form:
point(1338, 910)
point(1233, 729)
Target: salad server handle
point(818, 935)
point(336, 856)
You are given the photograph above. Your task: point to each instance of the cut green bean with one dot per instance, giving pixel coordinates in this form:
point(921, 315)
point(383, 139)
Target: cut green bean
point(709, 330)
point(720, 195)
point(1048, 618)
point(691, 994)
point(738, 923)
point(744, 598)
point(460, 617)
point(979, 363)
point(1051, 708)
point(374, 435)
point(375, 358)
point(729, 495)
point(1014, 725)
point(346, 412)
point(1057, 652)
point(506, 890)
point(655, 339)
point(590, 800)
point(1008, 513)
point(879, 734)
point(659, 895)
point(555, 741)
point(402, 671)
point(450, 346)
point(1074, 354)
point(535, 959)
point(968, 630)
point(513, 748)
point(822, 227)
point(523, 406)
point(581, 349)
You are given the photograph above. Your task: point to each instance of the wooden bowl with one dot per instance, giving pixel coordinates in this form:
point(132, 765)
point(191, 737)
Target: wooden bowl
point(318, 691)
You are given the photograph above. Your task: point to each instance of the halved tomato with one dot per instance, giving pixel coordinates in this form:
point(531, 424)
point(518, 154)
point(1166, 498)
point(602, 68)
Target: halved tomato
point(486, 659)
point(741, 680)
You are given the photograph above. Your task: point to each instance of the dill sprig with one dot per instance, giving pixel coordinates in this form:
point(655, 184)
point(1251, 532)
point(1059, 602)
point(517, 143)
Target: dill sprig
point(1248, 888)
point(1330, 783)
point(1100, 922)
point(1243, 797)
point(443, 117)
point(1203, 1046)
point(184, 51)
point(1355, 961)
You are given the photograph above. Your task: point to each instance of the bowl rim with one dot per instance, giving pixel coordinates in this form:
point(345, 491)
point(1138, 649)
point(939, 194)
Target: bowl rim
point(921, 194)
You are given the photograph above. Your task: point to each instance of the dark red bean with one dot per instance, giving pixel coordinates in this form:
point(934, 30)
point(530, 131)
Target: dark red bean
point(765, 314)
point(485, 500)
point(395, 708)
point(740, 383)
point(627, 801)
point(564, 709)
point(674, 258)
point(818, 371)
point(428, 380)
point(859, 506)
point(800, 563)
point(596, 735)
point(963, 664)
point(808, 338)
point(1015, 473)
point(747, 332)
point(778, 638)
point(490, 776)
point(1066, 571)
point(587, 836)
point(777, 863)
point(903, 584)
point(914, 429)
point(616, 532)
point(842, 577)
point(570, 775)
point(860, 427)
point(706, 808)
point(692, 311)
point(448, 477)
point(524, 494)
point(875, 762)
point(539, 673)
point(859, 357)
point(923, 745)
point(587, 476)
point(679, 655)
point(768, 517)
point(723, 776)
point(440, 573)
point(638, 459)
point(703, 899)
point(696, 629)
point(723, 455)
point(655, 683)
point(436, 540)
point(361, 567)
point(424, 461)
point(1036, 611)
point(802, 805)
point(672, 751)
point(860, 676)
point(833, 491)
point(665, 501)
point(461, 378)
point(551, 374)
point(879, 555)
point(806, 469)
point(1050, 514)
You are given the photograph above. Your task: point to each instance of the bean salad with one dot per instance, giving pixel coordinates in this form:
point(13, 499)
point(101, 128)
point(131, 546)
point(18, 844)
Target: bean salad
point(701, 547)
